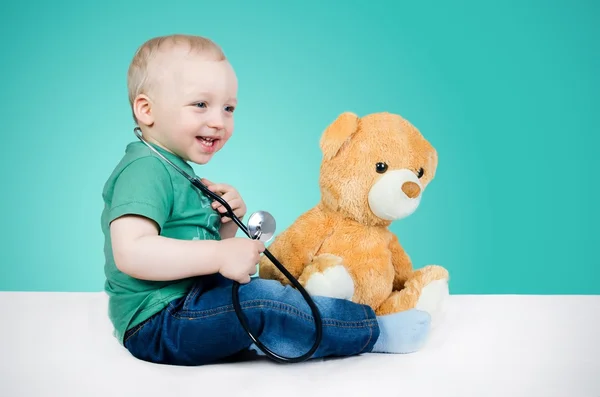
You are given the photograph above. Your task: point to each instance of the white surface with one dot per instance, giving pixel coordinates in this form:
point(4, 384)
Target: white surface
point(60, 344)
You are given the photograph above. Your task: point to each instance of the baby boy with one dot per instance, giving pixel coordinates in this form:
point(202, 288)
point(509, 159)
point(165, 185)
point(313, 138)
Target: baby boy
point(171, 258)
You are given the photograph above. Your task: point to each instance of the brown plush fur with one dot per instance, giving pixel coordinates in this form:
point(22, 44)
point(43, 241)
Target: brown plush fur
point(342, 229)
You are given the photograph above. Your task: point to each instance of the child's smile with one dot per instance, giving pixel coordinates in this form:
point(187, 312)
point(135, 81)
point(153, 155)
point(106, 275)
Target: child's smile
point(208, 144)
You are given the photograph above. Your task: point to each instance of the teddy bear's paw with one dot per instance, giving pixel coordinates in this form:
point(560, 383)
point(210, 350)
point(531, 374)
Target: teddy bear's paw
point(327, 276)
point(334, 282)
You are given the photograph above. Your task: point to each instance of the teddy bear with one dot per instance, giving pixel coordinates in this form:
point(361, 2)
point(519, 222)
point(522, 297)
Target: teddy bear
point(374, 171)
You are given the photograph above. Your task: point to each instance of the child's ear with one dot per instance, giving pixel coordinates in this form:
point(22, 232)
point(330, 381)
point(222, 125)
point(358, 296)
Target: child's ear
point(142, 108)
point(338, 133)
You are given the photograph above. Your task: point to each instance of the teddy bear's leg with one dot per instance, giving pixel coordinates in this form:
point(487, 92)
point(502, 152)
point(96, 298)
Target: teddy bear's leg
point(327, 276)
point(426, 289)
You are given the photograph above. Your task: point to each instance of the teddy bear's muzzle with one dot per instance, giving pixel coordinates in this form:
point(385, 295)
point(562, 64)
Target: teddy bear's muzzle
point(395, 195)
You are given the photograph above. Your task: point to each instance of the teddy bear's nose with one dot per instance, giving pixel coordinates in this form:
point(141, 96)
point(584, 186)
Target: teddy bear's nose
point(411, 189)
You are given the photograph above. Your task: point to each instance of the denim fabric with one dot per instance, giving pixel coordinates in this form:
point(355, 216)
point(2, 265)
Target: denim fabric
point(202, 327)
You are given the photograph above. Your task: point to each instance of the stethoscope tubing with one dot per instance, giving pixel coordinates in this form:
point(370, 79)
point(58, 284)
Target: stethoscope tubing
point(236, 285)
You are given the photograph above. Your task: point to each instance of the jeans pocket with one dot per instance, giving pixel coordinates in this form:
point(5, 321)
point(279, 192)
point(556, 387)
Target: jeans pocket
point(191, 295)
point(132, 331)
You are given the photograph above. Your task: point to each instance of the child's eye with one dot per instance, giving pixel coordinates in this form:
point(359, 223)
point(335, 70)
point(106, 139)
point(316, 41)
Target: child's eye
point(201, 104)
point(229, 109)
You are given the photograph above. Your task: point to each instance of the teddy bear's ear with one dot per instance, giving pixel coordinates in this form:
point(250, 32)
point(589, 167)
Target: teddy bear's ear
point(338, 133)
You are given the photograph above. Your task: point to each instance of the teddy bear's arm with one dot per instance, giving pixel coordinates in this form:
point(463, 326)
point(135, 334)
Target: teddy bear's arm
point(401, 262)
point(296, 245)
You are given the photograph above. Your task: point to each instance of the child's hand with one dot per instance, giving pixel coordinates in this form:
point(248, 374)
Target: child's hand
point(229, 194)
point(239, 257)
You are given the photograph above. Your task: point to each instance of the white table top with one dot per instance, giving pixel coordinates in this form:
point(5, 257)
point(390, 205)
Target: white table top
point(61, 344)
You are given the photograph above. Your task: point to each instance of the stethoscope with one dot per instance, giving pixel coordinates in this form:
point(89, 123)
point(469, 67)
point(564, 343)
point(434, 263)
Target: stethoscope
point(261, 225)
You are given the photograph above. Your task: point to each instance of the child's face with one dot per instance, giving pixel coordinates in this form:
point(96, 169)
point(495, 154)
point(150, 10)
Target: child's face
point(192, 107)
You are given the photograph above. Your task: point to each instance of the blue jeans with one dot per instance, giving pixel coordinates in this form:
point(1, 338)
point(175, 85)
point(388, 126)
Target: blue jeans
point(202, 327)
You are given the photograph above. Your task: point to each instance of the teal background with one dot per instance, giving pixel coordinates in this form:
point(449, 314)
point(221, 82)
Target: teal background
point(507, 91)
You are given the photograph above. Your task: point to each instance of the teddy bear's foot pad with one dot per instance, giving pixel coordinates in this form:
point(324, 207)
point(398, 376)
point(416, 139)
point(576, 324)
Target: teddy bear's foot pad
point(433, 300)
point(426, 290)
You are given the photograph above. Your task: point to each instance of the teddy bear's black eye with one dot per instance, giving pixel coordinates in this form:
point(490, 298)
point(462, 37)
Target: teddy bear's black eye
point(381, 167)
point(421, 172)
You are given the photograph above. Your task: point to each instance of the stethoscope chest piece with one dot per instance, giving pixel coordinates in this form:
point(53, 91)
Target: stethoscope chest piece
point(261, 226)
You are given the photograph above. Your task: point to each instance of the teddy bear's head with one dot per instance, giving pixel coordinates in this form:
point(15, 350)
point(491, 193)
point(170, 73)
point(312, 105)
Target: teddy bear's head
point(374, 168)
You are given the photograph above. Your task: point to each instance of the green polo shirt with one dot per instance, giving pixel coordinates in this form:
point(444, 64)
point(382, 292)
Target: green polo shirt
point(145, 185)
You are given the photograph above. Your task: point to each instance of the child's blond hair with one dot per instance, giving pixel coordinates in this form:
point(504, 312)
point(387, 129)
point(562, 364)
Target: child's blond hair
point(138, 81)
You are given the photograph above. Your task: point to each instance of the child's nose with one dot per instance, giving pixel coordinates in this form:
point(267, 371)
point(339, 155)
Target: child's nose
point(216, 121)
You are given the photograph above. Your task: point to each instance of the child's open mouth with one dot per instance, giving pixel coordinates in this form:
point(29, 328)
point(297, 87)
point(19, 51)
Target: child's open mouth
point(207, 143)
